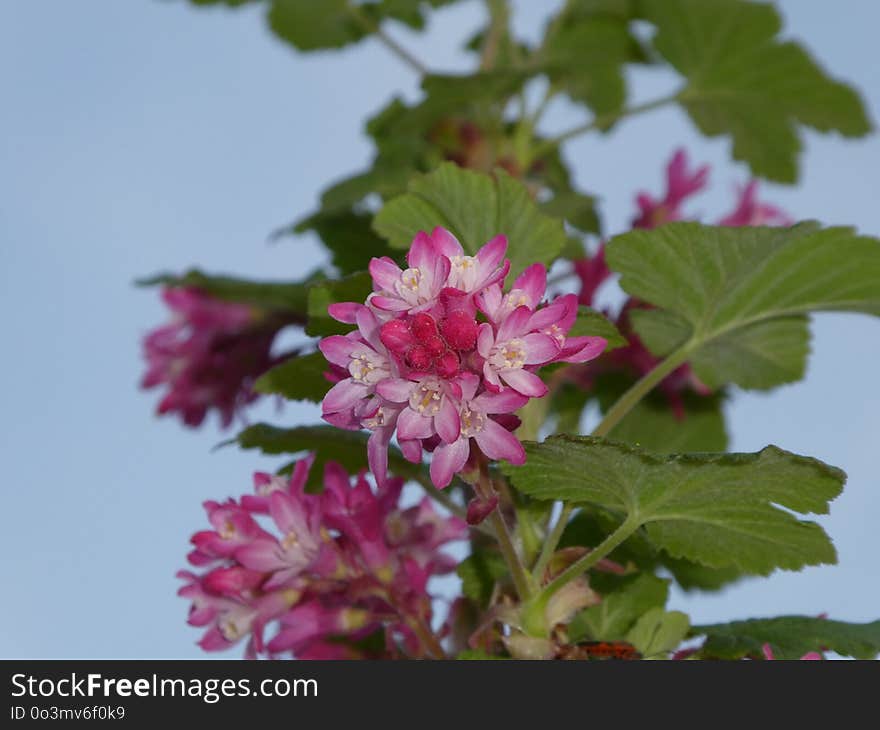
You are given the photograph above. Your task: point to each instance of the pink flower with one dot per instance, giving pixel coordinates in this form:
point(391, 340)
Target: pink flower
point(208, 356)
point(750, 212)
point(470, 274)
point(475, 418)
point(322, 572)
point(421, 361)
point(680, 185)
point(525, 339)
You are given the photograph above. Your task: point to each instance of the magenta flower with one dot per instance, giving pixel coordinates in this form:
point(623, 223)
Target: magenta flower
point(749, 211)
point(475, 418)
point(471, 274)
point(208, 356)
point(322, 572)
point(680, 185)
point(443, 355)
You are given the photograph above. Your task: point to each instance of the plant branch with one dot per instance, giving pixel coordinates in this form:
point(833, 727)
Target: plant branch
point(521, 579)
point(371, 26)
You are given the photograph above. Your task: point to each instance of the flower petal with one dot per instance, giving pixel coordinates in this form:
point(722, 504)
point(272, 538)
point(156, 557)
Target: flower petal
point(411, 425)
point(385, 273)
point(540, 348)
point(524, 382)
point(344, 395)
point(448, 460)
point(447, 421)
point(497, 442)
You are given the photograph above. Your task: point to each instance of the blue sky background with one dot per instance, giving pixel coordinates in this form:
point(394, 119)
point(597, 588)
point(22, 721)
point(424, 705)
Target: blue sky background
point(148, 135)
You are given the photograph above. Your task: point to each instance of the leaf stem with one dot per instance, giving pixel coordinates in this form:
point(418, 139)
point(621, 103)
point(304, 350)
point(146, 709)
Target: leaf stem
point(521, 578)
point(579, 567)
point(551, 542)
point(640, 389)
point(371, 26)
point(603, 120)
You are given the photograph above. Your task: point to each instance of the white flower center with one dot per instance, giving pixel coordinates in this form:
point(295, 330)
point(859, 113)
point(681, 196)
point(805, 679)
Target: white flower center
point(556, 333)
point(368, 367)
point(411, 287)
point(472, 421)
point(463, 272)
point(426, 398)
point(510, 355)
point(377, 420)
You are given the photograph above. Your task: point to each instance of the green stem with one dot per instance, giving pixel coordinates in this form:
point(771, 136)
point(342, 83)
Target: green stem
point(371, 26)
point(604, 120)
point(639, 390)
point(551, 542)
point(499, 15)
point(521, 580)
point(602, 550)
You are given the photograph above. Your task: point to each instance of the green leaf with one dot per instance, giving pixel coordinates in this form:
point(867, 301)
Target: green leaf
point(658, 632)
point(475, 208)
point(285, 296)
point(614, 616)
point(715, 509)
point(742, 80)
point(411, 12)
point(479, 573)
point(595, 324)
point(329, 443)
point(790, 637)
point(354, 288)
point(299, 378)
point(311, 26)
point(735, 299)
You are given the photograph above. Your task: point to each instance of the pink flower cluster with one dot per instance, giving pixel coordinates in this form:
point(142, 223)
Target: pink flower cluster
point(443, 356)
point(208, 356)
point(341, 574)
point(681, 184)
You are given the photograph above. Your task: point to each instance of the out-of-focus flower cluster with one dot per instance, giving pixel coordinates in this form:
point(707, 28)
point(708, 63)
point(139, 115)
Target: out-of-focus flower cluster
point(340, 574)
point(208, 355)
point(681, 184)
point(443, 355)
